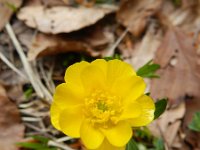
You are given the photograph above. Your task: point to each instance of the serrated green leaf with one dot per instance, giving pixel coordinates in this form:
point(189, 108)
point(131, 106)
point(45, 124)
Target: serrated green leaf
point(132, 145)
point(148, 70)
point(158, 144)
point(195, 124)
point(160, 107)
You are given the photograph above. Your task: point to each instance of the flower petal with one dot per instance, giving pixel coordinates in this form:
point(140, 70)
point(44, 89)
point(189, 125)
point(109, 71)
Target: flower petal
point(93, 78)
point(91, 137)
point(133, 88)
point(119, 135)
point(147, 115)
point(131, 110)
point(70, 121)
point(55, 114)
point(68, 94)
point(107, 146)
point(102, 64)
point(73, 72)
point(118, 69)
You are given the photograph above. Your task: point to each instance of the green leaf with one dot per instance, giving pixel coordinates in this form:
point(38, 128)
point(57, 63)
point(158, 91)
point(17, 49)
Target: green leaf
point(34, 146)
point(158, 144)
point(28, 92)
point(116, 56)
point(41, 139)
point(132, 145)
point(41, 143)
point(148, 70)
point(160, 107)
point(195, 124)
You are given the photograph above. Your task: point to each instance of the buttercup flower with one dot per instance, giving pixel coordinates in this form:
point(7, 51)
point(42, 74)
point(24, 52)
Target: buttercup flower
point(100, 103)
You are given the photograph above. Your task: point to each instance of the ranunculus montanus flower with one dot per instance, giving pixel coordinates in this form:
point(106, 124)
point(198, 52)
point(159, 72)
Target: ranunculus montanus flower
point(100, 102)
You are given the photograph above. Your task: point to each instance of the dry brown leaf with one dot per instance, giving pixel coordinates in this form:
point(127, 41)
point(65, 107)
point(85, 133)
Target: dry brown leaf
point(134, 14)
point(180, 70)
point(187, 16)
point(146, 49)
point(49, 3)
point(44, 44)
point(6, 10)
point(168, 124)
point(11, 128)
point(60, 19)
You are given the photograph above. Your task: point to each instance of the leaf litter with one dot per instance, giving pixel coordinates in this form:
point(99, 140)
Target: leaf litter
point(55, 34)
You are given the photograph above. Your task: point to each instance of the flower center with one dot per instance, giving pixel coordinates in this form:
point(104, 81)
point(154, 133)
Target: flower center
point(102, 108)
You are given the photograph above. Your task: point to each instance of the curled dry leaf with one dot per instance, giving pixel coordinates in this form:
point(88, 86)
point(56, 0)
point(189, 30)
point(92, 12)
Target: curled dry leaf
point(134, 14)
point(61, 19)
point(44, 44)
point(11, 128)
point(7, 7)
point(180, 68)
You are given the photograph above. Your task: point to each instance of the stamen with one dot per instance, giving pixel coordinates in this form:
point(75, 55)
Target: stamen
point(102, 108)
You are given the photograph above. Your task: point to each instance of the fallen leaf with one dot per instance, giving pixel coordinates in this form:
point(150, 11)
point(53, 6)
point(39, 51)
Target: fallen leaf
point(180, 70)
point(61, 19)
point(192, 106)
point(11, 128)
point(49, 3)
point(44, 44)
point(168, 124)
point(135, 14)
point(145, 50)
point(186, 16)
point(7, 7)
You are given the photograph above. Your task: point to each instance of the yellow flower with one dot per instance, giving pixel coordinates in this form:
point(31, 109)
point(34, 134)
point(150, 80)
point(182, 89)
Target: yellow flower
point(100, 102)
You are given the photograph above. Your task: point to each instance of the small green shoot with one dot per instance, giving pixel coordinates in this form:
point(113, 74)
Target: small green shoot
point(195, 124)
point(177, 3)
point(40, 144)
point(11, 6)
point(148, 70)
point(160, 107)
point(116, 56)
point(28, 92)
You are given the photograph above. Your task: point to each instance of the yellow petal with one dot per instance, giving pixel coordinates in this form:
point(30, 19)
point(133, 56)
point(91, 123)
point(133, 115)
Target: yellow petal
point(91, 137)
point(102, 64)
point(131, 110)
point(118, 69)
point(129, 88)
point(107, 146)
point(119, 135)
point(147, 114)
point(73, 72)
point(68, 94)
point(55, 114)
point(93, 78)
point(70, 121)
